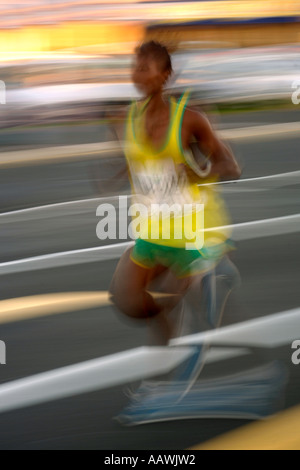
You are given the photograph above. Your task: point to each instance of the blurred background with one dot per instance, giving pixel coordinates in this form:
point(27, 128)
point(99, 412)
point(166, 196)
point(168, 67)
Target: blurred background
point(64, 71)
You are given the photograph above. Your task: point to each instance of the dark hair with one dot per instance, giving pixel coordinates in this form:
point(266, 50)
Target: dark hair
point(158, 52)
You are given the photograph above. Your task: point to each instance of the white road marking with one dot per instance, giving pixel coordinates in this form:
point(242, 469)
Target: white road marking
point(78, 206)
point(283, 129)
point(98, 149)
point(90, 376)
point(266, 227)
point(271, 331)
point(243, 231)
point(261, 183)
point(66, 258)
point(268, 332)
point(61, 153)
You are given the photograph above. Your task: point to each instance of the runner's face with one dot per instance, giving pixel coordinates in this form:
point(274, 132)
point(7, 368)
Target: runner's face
point(148, 76)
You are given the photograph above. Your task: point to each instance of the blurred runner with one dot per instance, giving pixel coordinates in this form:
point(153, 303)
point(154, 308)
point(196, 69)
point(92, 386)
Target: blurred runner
point(162, 170)
point(165, 175)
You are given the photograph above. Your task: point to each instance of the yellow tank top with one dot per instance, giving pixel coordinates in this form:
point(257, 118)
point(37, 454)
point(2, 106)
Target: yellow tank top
point(167, 208)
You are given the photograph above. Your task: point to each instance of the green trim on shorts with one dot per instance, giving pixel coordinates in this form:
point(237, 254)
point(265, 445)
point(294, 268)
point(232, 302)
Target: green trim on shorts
point(182, 262)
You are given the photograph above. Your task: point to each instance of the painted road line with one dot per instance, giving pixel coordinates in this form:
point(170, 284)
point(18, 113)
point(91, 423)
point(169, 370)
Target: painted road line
point(269, 130)
point(269, 331)
point(105, 149)
point(241, 232)
point(135, 364)
point(66, 258)
point(261, 183)
point(280, 432)
point(61, 153)
point(58, 209)
point(25, 308)
point(265, 228)
point(91, 375)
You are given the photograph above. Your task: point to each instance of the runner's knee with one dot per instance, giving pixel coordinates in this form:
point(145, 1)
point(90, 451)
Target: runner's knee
point(140, 306)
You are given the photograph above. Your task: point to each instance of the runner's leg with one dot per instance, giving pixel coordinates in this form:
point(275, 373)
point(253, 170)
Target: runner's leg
point(130, 293)
point(128, 289)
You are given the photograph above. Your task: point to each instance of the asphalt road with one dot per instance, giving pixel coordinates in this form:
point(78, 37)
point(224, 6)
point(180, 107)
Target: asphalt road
point(269, 269)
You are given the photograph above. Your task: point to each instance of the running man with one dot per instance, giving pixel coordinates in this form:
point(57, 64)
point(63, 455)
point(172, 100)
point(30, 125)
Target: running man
point(158, 134)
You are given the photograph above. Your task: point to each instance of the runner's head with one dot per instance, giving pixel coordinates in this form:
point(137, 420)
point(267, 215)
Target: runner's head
point(152, 68)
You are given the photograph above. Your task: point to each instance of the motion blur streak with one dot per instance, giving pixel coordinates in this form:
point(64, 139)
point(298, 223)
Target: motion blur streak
point(13, 310)
point(243, 231)
point(141, 363)
point(270, 331)
point(89, 376)
point(75, 152)
point(18, 309)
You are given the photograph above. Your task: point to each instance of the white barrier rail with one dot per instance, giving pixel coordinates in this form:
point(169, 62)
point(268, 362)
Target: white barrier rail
point(261, 183)
point(271, 331)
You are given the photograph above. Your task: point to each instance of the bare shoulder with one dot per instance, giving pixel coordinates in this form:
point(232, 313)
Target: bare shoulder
point(195, 118)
